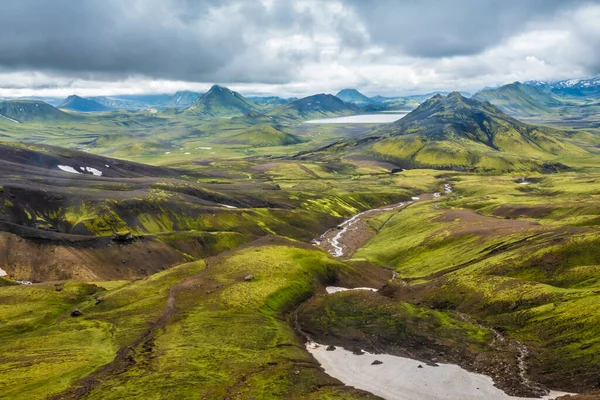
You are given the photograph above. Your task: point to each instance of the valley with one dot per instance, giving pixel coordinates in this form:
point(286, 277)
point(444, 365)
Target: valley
point(189, 246)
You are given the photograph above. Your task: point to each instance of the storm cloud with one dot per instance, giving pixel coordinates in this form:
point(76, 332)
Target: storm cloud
point(292, 47)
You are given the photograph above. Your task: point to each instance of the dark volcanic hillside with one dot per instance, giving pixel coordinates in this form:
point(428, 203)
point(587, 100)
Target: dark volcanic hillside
point(61, 219)
point(519, 99)
point(313, 107)
point(45, 160)
point(31, 111)
point(76, 103)
point(220, 102)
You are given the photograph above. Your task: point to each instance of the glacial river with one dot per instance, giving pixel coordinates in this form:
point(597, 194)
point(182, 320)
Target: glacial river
point(399, 378)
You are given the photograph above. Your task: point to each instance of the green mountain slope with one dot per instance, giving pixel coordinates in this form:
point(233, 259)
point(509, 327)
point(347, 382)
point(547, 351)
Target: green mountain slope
point(460, 133)
point(76, 103)
point(263, 135)
point(313, 107)
point(31, 111)
point(266, 103)
point(518, 99)
point(220, 102)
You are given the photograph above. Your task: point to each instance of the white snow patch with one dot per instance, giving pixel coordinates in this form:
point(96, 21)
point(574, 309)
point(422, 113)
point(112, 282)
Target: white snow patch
point(447, 188)
point(336, 289)
point(415, 198)
point(81, 168)
point(94, 171)
point(524, 181)
point(25, 282)
point(3, 272)
point(204, 148)
point(227, 206)
point(400, 378)
point(68, 168)
point(107, 166)
point(436, 195)
point(10, 119)
point(167, 152)
point(187, 152)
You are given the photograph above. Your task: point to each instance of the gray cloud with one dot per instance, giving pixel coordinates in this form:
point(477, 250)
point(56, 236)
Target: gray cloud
point(376, 43)
point(442, 28)
point(172, 39)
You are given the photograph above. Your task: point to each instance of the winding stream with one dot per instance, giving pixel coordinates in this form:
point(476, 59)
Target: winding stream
point(335, 240)
point(401, 378)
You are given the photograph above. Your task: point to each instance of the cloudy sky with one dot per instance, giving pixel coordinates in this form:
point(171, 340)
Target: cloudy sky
point(388, 47)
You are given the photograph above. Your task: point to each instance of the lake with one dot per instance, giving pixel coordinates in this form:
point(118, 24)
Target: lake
point(360, 119)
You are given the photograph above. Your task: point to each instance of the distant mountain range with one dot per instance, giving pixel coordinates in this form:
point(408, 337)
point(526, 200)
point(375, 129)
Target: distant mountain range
point(582, 87)
point(526, 99)
point(382, 103)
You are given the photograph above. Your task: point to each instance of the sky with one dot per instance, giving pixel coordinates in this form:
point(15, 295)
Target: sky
point(291, 48)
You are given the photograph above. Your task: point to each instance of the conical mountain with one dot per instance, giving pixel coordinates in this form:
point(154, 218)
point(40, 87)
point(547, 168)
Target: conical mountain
point(22, 111)
point(220, 101)
point(76, 103)
point(455, 132)
point(354, 96)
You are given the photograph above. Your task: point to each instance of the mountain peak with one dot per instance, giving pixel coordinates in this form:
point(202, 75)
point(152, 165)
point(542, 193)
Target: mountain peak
point(80, 104)
point(220, 101)
point(217, 88)
point(452, 113)
point(455, 95)
point(313, 107)
point(353, 96)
